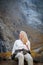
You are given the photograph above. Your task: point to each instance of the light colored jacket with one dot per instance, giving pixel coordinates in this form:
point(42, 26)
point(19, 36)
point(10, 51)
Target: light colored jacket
point(18, 44)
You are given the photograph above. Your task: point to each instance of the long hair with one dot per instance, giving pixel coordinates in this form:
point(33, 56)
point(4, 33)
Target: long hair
point(24, 36)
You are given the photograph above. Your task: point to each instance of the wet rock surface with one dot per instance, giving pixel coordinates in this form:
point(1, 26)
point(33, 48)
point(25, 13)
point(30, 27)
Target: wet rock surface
point(10, 62)
point(17, 15)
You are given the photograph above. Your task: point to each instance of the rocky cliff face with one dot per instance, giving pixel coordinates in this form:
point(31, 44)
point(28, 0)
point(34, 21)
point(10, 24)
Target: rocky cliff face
point(27, 15)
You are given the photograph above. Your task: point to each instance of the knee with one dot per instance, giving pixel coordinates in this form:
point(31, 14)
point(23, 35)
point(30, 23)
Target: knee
point(30, 60)
point(21, 56)
point(29, 57)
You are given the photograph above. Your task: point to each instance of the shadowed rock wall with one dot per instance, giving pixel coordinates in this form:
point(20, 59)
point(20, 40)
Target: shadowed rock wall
point(27, 15)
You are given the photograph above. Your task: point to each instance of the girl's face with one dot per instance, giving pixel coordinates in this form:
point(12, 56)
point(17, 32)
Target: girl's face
point(20, 36)
point(23, 38)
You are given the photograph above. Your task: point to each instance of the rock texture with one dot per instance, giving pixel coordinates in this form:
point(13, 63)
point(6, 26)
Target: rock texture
point(10, 62)
point(16, 15)
point(27, 15)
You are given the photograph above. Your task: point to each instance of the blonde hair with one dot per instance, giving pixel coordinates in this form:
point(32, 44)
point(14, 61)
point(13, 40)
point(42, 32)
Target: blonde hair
point(24, 36)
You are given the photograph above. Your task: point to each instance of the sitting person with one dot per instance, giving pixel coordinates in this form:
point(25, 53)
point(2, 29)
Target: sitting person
point(21, 48)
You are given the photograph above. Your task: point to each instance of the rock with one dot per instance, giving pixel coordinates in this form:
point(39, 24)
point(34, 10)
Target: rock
point(22, 15)
point(11, 62)
point(5, 45)
point(17, 15)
